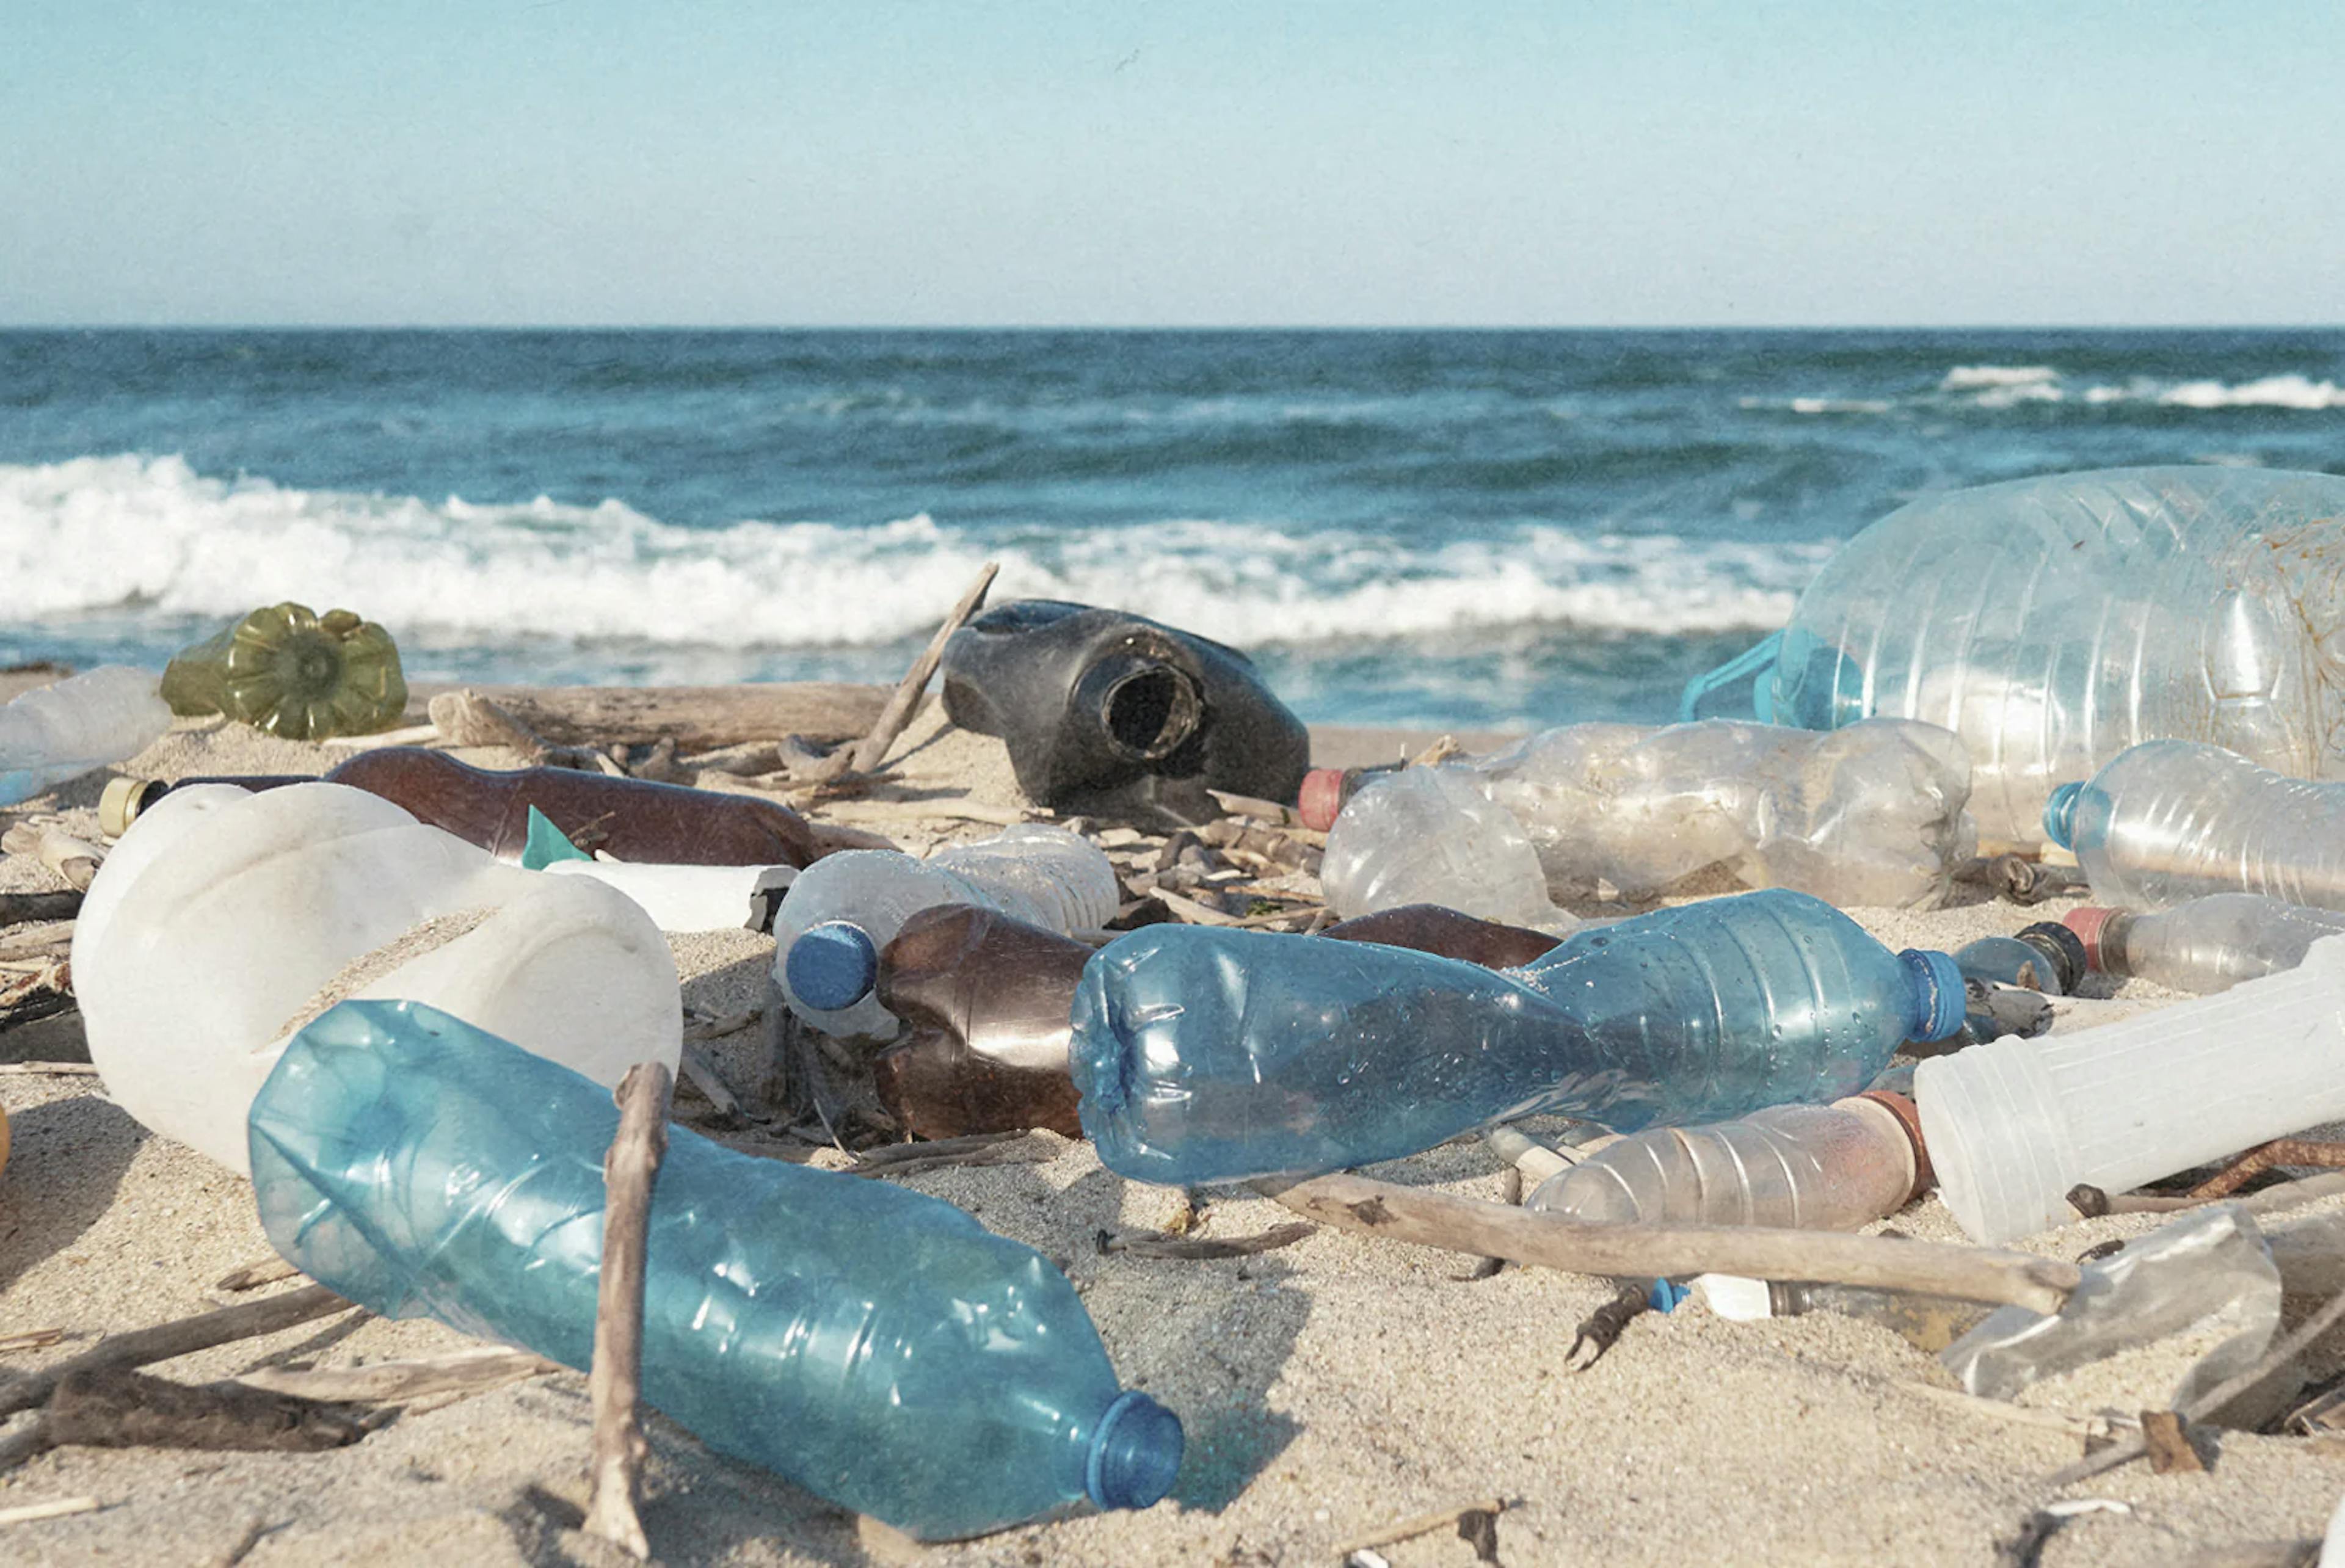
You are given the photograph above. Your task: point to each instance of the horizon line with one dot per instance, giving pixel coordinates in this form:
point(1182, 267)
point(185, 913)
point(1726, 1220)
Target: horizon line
point(1128, 327)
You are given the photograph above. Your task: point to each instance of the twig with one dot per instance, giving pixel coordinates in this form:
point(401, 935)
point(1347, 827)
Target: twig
point(474, 1370)
point(872, 749)
point(978, 1149)
point(1140, 1244)
point(2214, 1399)
point(702, 1074)
point(1423, 1523)
point(252, 1276)
point(2262, 1157)
point(183, 1336)
point(615, 1384)
point(412, 736)
point(123, 1409)
point(64, 1506)
point(1193, 913)
point(18, 908)
point(30, 1340)
point(1643, 1251)
point(2089, 1426)
point(48, 1070)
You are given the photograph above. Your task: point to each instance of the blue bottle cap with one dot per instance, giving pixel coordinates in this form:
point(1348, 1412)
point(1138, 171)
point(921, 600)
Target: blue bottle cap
point(832, 965)
point(1135, 1454)
point(2060, 814)
point(1938, 994)
point(1667, 1295)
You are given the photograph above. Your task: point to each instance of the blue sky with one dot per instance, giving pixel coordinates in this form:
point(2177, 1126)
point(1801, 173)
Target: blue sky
point(585, 162)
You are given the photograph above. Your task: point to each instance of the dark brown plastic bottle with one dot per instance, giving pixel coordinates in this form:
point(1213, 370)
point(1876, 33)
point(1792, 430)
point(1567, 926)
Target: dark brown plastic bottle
point(632, 819)
point(988, 1000)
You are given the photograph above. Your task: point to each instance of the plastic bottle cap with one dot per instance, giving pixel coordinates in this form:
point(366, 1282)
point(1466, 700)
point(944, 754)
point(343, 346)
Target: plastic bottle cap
point(1321, 798)
point(119, 806)
point(1938, 992)
point(832, 965)
point(2086, 921)
point(1135, 1454)
point(2067, 950)
point(2060, 814)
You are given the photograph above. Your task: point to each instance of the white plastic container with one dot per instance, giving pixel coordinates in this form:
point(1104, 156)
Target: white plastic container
point(1426, 836)
point(223, 914)
point(845, 907)
point(2170, 820)
point(2013, 1126)
point(52, 734)
point(684, 898)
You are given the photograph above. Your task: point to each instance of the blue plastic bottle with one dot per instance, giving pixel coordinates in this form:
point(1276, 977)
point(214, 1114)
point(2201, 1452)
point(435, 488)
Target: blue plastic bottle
point(1212, 1054)
point(876, 1346)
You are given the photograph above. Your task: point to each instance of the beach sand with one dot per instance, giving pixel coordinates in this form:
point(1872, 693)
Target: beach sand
point(1329, 1388)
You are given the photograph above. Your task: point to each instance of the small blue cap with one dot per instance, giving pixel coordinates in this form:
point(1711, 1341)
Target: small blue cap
point(1667, 1295)
point(832, 965)
point(1938, 994)
point(1135, 1454)
point(2060, 816)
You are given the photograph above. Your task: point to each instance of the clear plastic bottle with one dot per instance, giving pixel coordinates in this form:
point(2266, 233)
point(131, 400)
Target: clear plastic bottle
point(2052, 623)
point(1928, 1323)
point(2045, 956)
point(1869, 816)
point(1215, 1055)
point(52, 734)
point(1797, 1167)
point(223, 916)
point(2205, 944)
point(1426, 836)
point(2170, 820)
point(875, 1345)
point(2013, 1126)
point(845, 907)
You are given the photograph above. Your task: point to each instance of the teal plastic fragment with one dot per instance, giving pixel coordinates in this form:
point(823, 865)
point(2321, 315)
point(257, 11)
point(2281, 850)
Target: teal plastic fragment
point(547, 844)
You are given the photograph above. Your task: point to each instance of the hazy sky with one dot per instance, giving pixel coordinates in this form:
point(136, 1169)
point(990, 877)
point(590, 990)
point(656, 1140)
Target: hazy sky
point(765, 162)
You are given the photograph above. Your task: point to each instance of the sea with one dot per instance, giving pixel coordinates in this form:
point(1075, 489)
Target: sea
point(1470, 529)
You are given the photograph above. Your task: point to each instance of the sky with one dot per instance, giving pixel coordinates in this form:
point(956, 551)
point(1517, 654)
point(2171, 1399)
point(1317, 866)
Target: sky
point(769, 163)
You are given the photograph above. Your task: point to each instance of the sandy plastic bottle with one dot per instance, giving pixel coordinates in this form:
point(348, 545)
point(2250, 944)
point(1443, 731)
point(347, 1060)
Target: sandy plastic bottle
point(1426, 835)
point(2013, 1126)
point(223, 918)
point(2052, 623)
point(874, 1345)
point(1869, 816)
point(2204, 944)
point(986, 1002)
point(1207, 1053)
point(1796, 1167)
point(843, 910)
point(293, 672)
point(628, 819)
point(2170, 820)
point(54, 733)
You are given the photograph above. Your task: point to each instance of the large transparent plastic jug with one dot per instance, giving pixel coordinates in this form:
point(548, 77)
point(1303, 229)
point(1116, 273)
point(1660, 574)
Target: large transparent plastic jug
point(844, 908)
point(1206, 1054)
point(1869, 816)
point(54, 733)
point(2052, 623)
point(875, 1345)
point(224, 918)
point(2170, 820)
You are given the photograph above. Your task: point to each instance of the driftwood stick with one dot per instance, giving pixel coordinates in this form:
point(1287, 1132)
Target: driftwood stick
point(697, 718)
point(1423, 1524)
point(185, 1336)
point(1141, 1244)
point(252, 1276)
point(18, 908)
point(2214, 1399)
point(474, 1370)
point(872, 750)
point(615, 1384)
point(1647, 1251)
point(60, 1509)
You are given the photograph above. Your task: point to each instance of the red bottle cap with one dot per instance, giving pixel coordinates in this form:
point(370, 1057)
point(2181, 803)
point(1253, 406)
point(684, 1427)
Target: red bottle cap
point(1320, 798)
point(2086, 920)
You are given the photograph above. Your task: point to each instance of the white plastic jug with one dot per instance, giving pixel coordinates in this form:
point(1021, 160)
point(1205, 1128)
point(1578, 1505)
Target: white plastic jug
point(223, 914)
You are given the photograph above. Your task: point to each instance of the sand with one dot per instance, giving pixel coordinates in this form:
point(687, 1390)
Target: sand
point(1328, 1388)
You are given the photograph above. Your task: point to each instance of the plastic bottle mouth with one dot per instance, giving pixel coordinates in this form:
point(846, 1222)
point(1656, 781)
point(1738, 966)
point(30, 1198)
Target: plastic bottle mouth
point(1321, 798)
point(1938, 993)
point(2089, 922)
point(2060, 814)
point(1135, 1454)
point(832, 965)
point(1146, 709)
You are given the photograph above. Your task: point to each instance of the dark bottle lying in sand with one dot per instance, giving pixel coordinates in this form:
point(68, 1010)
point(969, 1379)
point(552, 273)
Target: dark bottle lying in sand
point(631, 819)
point(987, 1000)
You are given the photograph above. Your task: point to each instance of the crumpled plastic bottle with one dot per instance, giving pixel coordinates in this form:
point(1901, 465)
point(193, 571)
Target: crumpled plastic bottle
point(54, 733)
point(293, 672)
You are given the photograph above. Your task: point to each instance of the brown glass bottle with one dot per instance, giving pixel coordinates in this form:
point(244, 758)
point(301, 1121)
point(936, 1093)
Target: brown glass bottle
point(631, 819)
point(988, 1000)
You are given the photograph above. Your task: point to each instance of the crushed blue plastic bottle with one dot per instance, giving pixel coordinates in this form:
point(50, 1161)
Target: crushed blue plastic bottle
point(876, 1346)
point(1214, 1055)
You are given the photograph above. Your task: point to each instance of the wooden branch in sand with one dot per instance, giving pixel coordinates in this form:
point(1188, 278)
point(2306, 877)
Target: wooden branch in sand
point(1649, 1251)
point(183, 1336)
point(867, 754)
point(616, 1385)
point(474, 1370)
point(697, 718)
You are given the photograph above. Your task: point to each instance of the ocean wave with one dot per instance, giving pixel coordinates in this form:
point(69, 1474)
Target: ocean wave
point(2009, 385)
point(152, 536)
